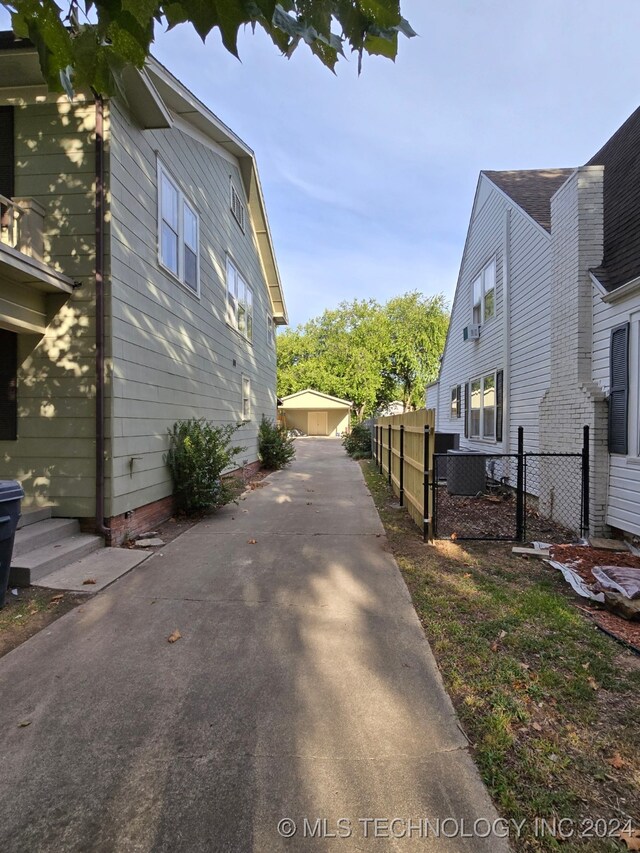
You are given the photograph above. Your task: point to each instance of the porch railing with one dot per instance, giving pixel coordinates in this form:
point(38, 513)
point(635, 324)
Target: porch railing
point(22, 225)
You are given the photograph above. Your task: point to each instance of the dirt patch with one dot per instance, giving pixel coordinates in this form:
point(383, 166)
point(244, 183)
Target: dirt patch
point(33, 609)
point(491, 517)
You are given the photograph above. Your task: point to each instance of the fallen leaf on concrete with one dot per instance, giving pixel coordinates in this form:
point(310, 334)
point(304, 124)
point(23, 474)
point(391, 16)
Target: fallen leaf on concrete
point(56, 598)
point(172, 638)
point(252, 541)
point(88, 581)
point(630, 838)
point(24, 723)
point(617, 761)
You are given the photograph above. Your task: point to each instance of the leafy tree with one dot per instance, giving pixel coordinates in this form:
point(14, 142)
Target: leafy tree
point(91, 41)
point(342, 353)
point(418, 328)
point(366, 352)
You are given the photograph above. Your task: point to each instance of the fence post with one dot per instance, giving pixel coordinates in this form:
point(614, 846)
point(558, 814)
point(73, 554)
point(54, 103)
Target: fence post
point(390, 451)
point(585, 482)
point(520, 488)
point(375, 443)
point(401, 464)
point(380, 449)
point(425, 486)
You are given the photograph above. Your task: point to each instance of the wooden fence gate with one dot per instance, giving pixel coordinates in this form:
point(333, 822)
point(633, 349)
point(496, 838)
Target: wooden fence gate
point(403, 450)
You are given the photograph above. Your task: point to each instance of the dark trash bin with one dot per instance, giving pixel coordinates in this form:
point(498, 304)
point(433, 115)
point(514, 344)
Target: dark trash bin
point(11, 493)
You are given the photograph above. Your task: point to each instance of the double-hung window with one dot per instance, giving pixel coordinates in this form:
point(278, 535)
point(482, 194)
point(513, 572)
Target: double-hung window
point(484, 294)
point(482, 414)
point(455, 402)
point(271, 338)
point(239, 302)
point(179, 232)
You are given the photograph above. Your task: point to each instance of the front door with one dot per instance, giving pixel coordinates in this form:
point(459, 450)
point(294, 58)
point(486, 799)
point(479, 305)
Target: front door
point(318, 423)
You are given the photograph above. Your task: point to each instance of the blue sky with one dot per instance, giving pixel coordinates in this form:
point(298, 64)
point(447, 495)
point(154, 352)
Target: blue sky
point(369, 180)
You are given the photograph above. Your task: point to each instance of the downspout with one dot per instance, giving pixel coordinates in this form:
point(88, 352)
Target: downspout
point(506, 332)
point(101, 528)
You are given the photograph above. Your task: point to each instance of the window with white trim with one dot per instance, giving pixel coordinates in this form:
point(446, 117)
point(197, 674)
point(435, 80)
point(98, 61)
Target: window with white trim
point(246, 398)
point(237, 207)
point(455, 402)
point(271, 338)
point(239, 302)
point(178, 232)
point(484, 294)
point(482, 413)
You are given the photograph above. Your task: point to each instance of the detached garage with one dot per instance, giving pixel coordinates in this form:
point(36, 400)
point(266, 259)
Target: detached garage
point(314, 413)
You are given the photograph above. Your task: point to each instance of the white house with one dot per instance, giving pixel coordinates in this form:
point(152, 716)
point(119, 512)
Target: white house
point(545, 328)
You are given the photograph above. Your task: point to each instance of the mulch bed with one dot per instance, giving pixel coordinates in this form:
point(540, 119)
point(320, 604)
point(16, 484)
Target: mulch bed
point(582, 559)
point(490, 517)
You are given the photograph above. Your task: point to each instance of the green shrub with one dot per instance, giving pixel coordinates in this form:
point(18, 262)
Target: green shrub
point(358, 442)
point(198, 454)
point(275, 448)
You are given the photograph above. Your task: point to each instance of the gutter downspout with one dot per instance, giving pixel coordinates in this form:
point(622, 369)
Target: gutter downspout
point(506, 333)
point(101, 528)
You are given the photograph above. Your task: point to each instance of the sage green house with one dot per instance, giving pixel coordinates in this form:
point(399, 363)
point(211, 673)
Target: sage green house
point(138, 285)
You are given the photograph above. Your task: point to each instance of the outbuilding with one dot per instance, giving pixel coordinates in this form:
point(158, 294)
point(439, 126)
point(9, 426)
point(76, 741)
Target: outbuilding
point(315, 413)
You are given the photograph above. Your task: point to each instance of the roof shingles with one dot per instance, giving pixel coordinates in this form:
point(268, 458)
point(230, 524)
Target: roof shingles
point(531, 189)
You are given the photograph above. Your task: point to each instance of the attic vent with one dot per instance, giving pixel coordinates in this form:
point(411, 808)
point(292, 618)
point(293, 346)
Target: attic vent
point(237, 207)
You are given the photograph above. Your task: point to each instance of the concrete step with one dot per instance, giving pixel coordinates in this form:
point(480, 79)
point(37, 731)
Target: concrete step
point(46, 532)
point(33, 514)
point(103, 567)
point(35, 564)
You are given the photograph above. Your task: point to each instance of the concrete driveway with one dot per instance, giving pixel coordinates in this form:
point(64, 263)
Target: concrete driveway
point(303, 689)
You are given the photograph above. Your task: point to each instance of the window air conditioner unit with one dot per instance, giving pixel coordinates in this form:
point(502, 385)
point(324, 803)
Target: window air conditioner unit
point(471, 333)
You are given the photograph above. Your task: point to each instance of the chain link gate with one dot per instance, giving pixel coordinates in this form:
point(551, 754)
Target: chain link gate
point(510, 496)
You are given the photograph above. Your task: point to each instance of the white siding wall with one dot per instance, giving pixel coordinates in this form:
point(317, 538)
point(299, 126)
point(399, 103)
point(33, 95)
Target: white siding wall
point(173, 353)
point(623, 503)
point(529, 262)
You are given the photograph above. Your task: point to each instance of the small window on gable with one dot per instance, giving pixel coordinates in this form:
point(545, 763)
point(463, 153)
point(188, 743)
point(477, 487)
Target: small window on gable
point(484, 294)
point(237, 207)
point(246, 398)
point(178, 232)
point(239, 302)
point(270, 331)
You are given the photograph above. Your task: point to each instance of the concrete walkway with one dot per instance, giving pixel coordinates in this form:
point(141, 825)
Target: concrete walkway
point(302, 687)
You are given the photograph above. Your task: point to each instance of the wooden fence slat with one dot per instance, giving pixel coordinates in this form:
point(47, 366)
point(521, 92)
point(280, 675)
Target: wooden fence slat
point(412, 459)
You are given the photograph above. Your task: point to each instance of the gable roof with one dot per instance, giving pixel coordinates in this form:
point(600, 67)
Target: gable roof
point(531, 189)
point(620, 157)
point(318, 394)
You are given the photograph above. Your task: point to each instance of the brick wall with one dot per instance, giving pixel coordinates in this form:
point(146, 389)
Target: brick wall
point(573, 400)
point(132, 524)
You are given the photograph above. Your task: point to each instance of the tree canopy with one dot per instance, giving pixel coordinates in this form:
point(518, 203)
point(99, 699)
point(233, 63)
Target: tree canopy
point(91, 41)
point(367, 352)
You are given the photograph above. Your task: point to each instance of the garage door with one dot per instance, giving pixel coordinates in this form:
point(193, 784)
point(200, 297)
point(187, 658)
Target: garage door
point(318, 423)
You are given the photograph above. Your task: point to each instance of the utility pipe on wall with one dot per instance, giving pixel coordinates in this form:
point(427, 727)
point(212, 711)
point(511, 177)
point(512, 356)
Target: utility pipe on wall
point(101, 528)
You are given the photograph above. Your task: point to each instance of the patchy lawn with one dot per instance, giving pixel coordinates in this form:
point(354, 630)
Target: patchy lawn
point(32, 610)
point(549, 703)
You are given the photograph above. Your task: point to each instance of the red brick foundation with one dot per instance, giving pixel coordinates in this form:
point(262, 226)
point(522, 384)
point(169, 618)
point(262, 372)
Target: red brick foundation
point(131, 524)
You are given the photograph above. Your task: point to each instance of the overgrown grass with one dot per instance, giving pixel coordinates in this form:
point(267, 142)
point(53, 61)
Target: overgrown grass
point(546, 699)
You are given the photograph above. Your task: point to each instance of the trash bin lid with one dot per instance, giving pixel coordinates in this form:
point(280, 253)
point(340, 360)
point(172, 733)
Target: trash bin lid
point(10, 490)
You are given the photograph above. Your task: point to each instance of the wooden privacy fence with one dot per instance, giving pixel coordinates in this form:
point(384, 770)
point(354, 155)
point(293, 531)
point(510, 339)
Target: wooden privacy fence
point(403, 450)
